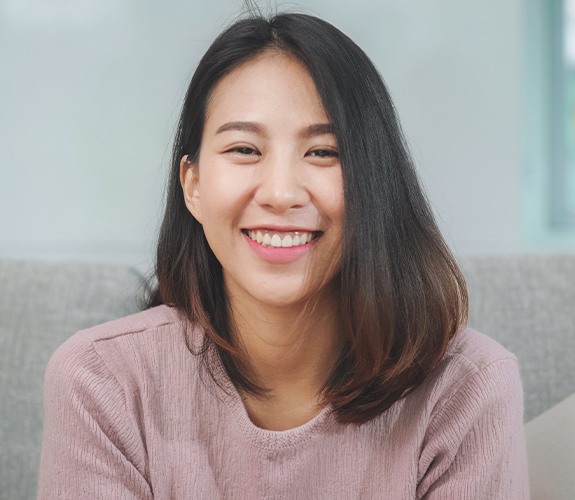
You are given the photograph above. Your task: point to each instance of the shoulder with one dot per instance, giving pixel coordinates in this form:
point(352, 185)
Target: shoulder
point(474, 358)
point(477, 349)
point(477, 377)
point(136, 328)
point(474, 417)
point(127, 350)
point(145, 321)
point(100, 394)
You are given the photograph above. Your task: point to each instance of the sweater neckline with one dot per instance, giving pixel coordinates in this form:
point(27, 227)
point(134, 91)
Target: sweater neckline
point(259, 437)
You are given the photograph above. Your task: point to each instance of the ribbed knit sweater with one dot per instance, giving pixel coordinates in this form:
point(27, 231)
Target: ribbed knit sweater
point(131, 413)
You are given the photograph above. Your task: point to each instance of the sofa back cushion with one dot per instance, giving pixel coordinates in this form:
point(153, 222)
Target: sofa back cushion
point(527, 303)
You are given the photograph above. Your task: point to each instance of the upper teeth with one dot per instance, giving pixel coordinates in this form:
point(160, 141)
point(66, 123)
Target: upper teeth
point(278, 240)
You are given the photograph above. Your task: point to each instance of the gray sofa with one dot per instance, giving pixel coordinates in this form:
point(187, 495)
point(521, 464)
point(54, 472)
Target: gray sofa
point(525, 302)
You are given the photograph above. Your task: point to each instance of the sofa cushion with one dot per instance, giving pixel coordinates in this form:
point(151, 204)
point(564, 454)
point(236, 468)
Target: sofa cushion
point(526, 302)
point(551, 451)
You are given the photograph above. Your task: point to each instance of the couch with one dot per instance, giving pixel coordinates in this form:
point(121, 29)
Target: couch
point(526, 302)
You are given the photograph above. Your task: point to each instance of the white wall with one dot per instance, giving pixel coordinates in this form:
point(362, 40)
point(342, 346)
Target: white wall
point(90, 91)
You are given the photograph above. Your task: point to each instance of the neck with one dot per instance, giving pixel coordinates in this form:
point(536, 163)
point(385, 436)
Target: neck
point(288, 344)
point(292, 350)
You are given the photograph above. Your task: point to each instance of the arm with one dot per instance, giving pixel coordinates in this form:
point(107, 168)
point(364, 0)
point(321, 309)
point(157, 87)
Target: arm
point(475, 446)
point(92, 447)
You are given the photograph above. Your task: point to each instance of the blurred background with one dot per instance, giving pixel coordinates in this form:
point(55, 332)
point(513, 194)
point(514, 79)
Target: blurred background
point(90, 92)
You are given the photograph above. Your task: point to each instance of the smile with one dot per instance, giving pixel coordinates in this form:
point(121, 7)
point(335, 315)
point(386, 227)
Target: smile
point(280, 239)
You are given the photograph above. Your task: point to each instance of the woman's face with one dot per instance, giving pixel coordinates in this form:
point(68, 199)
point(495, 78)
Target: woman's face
point(267, 188)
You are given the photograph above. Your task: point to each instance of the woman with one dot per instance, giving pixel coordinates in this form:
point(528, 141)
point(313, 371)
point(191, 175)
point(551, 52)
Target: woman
point(306, 339)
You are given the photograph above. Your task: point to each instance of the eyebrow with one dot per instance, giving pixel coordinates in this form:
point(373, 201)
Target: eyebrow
point(254, 127)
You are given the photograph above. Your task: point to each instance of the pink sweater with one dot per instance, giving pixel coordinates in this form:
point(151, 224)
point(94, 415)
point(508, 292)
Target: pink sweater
point(130, 413)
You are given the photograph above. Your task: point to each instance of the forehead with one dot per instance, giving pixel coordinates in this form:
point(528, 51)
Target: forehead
point(264, 85)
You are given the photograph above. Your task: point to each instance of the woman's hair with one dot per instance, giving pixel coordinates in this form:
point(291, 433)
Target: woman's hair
point(401, 295)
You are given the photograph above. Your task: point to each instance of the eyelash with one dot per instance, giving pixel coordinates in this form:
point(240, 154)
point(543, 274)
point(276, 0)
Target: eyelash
point(247, 151)
point(243, 150)
point(329, 153)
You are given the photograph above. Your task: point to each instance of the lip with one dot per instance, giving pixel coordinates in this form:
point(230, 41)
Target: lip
point(281, 255)
point(283, 229)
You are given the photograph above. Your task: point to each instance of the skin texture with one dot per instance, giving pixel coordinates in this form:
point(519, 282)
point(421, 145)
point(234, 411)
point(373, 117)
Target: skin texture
point(279, 172)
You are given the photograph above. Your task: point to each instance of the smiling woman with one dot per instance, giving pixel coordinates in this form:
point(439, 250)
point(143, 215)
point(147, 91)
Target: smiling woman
point(307, 335)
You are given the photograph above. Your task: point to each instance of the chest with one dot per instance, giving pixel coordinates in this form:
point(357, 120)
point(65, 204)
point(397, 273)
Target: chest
point(229, 463)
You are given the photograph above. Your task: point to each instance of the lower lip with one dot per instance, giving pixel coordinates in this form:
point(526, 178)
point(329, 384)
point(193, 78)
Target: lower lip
point(279, 255)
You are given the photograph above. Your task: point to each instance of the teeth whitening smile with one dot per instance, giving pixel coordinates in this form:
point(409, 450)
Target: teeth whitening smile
point(278, 239)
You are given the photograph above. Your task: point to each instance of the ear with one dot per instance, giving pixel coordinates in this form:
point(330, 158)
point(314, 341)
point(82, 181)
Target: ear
point(189, 180)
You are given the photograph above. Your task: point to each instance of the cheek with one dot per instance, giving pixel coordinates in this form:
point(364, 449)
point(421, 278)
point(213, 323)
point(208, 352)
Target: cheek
point(333, 196)
point(223, 194)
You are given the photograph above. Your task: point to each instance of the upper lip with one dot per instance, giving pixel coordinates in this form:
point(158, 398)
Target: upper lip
point(278, 228)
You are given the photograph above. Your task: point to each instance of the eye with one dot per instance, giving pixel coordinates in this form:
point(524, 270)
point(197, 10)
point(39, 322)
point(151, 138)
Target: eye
point(244, 151)
point(324, 153)
point(323, 156)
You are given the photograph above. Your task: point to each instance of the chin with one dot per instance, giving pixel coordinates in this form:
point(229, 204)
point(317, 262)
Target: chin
point(281, 300)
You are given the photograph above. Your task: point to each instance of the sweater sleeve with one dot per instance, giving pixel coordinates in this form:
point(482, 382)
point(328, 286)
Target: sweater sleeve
point(475, 446)
point(92, 447)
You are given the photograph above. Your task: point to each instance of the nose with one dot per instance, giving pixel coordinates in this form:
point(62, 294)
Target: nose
point(281, 184)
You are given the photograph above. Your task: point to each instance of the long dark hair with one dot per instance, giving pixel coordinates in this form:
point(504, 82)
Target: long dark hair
point(402, 296)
